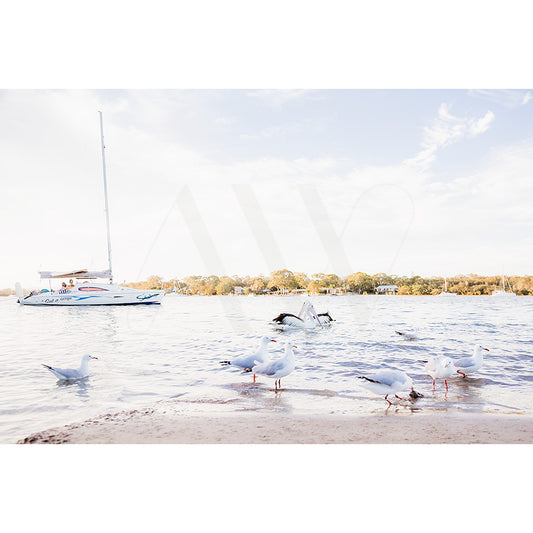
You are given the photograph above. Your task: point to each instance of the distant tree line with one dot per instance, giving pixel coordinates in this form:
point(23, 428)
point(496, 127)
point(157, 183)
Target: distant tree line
point(286, 281)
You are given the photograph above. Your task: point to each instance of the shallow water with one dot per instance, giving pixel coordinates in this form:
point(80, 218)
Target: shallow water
point(152, 353)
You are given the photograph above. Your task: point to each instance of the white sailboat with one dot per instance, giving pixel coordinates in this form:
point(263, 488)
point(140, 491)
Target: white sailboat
point(502, 292)
point(88, 292)
point(445, 291)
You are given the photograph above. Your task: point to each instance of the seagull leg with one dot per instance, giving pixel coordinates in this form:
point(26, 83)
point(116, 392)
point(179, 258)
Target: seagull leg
point(462, 373)
point(388, 401)
point(254, 378)
point(279, 383)
point(399, 398)
point(433, 384)
point(446, 383)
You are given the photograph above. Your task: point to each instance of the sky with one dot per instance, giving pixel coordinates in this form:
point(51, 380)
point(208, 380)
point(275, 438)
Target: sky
point(430, 182)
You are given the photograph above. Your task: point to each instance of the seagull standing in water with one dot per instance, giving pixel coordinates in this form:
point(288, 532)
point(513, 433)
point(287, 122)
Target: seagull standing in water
point(387, 381)
point(278, 369)
point(246, 362)
point(471, 364)
point(440, 367)
point(72, 373)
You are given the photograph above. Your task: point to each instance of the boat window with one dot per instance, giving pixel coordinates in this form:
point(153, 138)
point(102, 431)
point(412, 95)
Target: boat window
point(91, 289)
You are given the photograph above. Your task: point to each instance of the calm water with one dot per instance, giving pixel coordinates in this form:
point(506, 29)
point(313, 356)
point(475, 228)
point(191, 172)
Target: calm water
point(152, 353)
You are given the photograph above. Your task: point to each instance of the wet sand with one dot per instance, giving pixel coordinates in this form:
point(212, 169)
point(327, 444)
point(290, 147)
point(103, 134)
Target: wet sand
point(169, 426)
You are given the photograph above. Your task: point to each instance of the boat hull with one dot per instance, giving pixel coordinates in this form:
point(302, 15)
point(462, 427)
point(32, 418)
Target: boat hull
point(95, 294)
point(503, 294)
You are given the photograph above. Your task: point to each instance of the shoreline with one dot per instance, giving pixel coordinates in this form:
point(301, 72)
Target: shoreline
point(152, 425)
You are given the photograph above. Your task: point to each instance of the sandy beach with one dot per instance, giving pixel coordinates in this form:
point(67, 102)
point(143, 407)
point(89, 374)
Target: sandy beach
point(168, 426)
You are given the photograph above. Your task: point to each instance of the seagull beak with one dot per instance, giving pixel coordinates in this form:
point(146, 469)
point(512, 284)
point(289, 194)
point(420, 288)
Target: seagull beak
point(273, 340)
point(486, 349)
point(93, 357)
point(294, 346)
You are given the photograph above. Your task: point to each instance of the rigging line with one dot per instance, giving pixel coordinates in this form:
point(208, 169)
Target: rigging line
point(155, 239)
point(407, 228)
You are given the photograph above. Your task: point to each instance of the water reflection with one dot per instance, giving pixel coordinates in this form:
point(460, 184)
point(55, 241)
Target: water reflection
point(80, 387)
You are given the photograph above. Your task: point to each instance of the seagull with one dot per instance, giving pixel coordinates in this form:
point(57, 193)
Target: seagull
point(307, 318)
point(72, 373)
point(277, 369)
point(441, 367)
point(407, 336)
point(246, 362)
point(387, 381)
point(471, 364)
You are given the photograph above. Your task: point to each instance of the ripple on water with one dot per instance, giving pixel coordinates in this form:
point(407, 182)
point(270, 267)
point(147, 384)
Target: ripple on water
point(154, 353)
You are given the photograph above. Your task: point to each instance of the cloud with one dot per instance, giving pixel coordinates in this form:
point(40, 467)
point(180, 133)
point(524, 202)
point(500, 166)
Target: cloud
point(225, 121)
point(274, 132)
point(509, 98)
point(481, 125)
point(447, 129)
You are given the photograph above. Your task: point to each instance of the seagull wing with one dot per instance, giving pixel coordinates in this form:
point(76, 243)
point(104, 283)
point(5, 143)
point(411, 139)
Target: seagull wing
point(269, 368)
point(276, 366)
point(64, 373)
point(246, 361)
point(259, 367)
point(464, 362)
point(385, 378)
point(369, 379)
point(390, 376)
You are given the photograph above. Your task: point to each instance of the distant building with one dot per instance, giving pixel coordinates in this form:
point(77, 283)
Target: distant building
point(333, 290)
point(386, 289)
point(238, 290)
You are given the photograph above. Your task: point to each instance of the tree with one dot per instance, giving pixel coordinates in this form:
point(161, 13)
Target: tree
point(404, 290)
point(419, 289)
point(258, 285)
point(195, 284)
point(210, 284)
point(282, 280)
point(360, 282)
point(301, 279)
point(224, 285)
point(154, 282)
point(286, 280)
point(382, 279)
point(314, 286)
point(332, 281)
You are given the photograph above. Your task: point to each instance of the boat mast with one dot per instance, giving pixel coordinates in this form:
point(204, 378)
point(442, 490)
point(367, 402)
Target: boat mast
point(106, 203)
